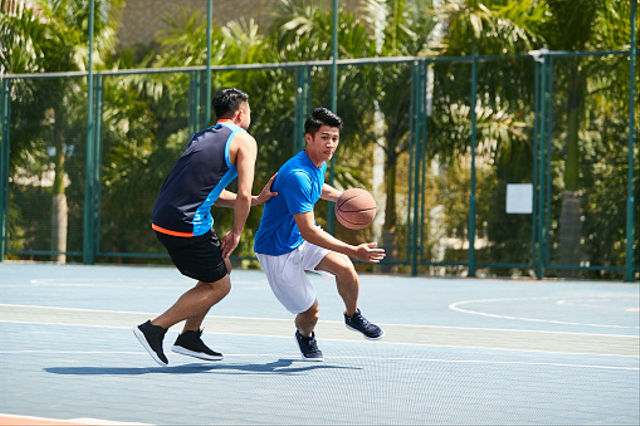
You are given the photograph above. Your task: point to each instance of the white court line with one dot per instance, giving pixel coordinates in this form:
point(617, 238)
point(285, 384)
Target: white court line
point(61, 308)
point(455, 307)
point(329, 359)
point(289, 320)
point(333, 339)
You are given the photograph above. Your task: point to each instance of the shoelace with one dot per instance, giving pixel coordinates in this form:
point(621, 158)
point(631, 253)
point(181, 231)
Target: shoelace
point(311, 342)
point(313, 345)
point(362, 320)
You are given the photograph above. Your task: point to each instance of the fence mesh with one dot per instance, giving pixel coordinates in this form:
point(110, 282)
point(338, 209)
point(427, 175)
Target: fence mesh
point(560, 125)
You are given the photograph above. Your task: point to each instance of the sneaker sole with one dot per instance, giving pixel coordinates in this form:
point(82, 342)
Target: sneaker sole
point(365, 336)
point(182, 351)
point(143, 341)
point(304, 358)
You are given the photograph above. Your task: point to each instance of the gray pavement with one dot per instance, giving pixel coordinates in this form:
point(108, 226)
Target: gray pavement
point(456, 351)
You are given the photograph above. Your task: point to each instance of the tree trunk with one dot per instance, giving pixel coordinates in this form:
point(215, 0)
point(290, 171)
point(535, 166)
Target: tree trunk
point(59, 209)
point(570, 226)
point(570, 229)
point(59, 227)
point(389, 239)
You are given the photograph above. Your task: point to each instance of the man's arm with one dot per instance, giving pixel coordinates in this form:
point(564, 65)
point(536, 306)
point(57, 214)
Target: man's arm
point(315, 235)
point(246, 153)
point(329, 193)
point(228, 198)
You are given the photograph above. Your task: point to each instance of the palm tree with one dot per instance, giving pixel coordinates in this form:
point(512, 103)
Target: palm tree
point(575, 26)
point(503, 107)
point(401, 28)
point(53, 36)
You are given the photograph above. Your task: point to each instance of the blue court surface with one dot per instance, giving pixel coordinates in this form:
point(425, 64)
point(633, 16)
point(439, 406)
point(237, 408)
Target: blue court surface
point(456, 352)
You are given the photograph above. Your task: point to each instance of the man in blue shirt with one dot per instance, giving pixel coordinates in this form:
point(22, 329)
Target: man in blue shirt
point(289, 242)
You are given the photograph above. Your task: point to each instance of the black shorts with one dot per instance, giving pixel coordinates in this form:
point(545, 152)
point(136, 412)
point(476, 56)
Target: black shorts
point(196, 257)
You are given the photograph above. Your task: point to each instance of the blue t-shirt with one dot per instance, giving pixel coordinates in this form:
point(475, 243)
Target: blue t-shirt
point(299, 185)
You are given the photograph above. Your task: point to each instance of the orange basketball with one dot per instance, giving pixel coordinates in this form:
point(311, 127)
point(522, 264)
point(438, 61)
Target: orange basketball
point(355, 208)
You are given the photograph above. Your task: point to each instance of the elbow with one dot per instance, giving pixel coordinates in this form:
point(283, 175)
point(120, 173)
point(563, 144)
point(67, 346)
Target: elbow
point(306, 235)
point(244, 197)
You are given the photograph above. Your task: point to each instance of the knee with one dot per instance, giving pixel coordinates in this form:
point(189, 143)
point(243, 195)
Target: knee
point(219, 288)
point(224, 286)
point(345, 269)
point(313, 313)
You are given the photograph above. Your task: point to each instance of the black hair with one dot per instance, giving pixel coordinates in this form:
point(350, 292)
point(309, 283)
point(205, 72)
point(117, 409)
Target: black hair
point(321, 116)
point(228, 100)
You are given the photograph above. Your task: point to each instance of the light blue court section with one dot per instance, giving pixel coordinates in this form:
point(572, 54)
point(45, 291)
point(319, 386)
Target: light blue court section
point(565, 306)
point(65, 363)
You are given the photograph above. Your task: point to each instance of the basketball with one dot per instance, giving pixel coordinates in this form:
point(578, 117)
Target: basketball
point(355, 208)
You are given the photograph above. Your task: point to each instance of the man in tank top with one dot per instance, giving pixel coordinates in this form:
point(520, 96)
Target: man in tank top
point(183, 223)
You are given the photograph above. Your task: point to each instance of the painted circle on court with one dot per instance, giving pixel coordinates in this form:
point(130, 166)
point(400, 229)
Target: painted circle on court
point(619, 312)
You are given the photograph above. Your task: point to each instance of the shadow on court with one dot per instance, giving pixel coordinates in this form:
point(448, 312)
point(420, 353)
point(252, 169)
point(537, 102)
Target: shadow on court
point(282, 366)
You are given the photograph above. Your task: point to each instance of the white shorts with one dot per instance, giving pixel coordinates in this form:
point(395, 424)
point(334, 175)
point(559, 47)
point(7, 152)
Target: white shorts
point(287, 277)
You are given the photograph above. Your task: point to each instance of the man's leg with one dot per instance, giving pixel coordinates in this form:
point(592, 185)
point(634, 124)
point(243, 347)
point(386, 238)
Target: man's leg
point(194, 304)
point(198, 300)
point(201, 256)
point(306, 321)
point(349, 288)
point(195, 322)
point(347, 279)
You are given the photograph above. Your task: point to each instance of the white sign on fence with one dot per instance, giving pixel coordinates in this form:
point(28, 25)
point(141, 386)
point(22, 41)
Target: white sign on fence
point(519, 198)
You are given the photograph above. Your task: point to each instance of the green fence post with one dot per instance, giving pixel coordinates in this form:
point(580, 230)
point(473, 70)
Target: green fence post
point(546, 249)
point(541, 169)
point(535, 252)
point(334, 104)
point(88, 253)
point(630, 199)
point(472, 196)
point(411, 211)
point(5, 116)
point(302, 106)
point(417, 108)
point(97, 169)
point(423, 148)
point(207, 114)
point(195, 101)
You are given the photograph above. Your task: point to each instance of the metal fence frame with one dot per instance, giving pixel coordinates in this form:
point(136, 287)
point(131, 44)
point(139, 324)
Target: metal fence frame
point(419, 138)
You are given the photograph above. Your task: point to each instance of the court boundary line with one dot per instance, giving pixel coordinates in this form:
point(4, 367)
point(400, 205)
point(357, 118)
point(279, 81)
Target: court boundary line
point(333, 339)
point(213, 317)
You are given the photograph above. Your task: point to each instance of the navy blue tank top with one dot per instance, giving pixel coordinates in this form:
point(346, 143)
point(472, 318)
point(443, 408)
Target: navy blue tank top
point(183, 207)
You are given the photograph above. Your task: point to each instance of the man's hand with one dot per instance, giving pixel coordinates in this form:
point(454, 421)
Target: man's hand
point(229, 244)
point(367, 253)
point(266, 193)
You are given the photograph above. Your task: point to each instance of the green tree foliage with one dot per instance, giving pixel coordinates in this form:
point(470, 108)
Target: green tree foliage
point(52, 36)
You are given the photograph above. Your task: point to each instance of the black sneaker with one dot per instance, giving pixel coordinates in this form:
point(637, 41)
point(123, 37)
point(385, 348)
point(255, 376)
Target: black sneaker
point(151, 337)
point(189, 343)
point(359, 323)
point(309, 347)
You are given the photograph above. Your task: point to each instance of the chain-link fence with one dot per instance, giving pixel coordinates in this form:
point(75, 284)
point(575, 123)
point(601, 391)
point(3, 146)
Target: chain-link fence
point(532, 180)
